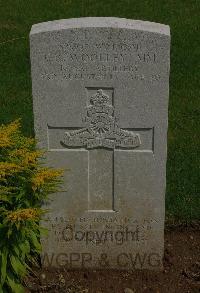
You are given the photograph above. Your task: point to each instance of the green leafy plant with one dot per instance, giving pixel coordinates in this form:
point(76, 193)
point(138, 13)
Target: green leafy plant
point(24, 185)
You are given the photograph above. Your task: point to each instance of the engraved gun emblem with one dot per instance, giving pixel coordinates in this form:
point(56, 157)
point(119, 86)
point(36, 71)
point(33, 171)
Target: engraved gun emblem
point(101, 128)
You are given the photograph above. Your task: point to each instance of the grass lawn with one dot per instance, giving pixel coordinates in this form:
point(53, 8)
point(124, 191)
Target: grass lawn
point(183, 16)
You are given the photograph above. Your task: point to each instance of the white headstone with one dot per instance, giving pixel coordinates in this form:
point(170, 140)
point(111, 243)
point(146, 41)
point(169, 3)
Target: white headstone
point(100, 94)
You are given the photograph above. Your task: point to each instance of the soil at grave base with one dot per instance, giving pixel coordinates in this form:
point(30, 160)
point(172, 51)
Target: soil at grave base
point(181, 272)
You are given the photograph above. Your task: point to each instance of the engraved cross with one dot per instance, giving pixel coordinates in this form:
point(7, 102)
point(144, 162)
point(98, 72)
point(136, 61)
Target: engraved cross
point(101, 136)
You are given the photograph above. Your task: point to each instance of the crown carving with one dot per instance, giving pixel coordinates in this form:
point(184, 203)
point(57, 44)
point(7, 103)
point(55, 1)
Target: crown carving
point(99, 99)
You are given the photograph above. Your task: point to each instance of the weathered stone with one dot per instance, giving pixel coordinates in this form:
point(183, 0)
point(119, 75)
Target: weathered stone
point(100, 93)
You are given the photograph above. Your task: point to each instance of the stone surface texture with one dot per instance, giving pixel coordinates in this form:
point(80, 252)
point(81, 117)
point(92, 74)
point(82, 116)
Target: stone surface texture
point(100, 97)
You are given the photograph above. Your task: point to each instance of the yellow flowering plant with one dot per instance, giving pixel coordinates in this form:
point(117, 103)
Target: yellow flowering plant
point(24, 185)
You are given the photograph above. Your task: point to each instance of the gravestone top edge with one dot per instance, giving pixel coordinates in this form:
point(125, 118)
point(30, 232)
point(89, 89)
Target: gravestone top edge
point(100, 22)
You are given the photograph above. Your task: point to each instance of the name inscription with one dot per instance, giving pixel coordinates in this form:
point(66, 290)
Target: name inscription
point(102, 61)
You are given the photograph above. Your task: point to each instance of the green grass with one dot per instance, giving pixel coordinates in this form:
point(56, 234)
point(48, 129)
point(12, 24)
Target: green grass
point(16, 18)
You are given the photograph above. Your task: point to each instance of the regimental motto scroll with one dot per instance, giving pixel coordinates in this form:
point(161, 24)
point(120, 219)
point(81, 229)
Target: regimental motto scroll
point(102, 130)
